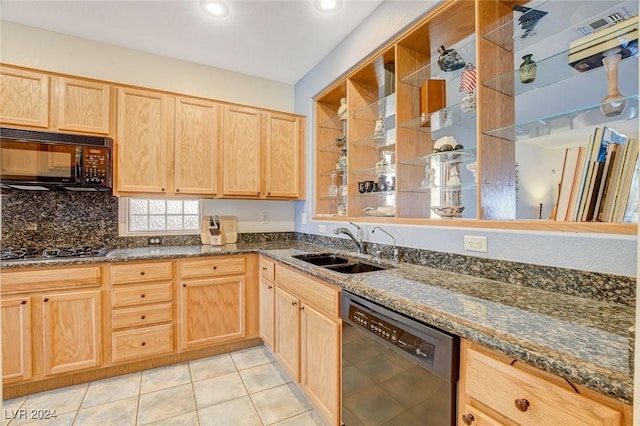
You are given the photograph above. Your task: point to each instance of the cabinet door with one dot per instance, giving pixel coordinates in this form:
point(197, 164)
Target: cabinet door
point(282, 155)
point(195, 146)
point(211, 310)
point(142, 141)
point(24, 98)
point(16, 339)
point(240, 160)
point(288, 332)
point(320, 362)
point(83, 106)
point(267, 312)
point(71, 331)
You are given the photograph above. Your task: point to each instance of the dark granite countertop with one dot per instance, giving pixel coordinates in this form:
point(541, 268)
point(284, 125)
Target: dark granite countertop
point(585, 341)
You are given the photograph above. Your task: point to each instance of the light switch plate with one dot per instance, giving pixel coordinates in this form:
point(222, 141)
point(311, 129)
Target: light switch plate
point(322, 229)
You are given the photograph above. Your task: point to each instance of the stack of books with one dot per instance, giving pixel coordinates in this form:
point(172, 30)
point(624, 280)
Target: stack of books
point(587, 52)
point(597, 179)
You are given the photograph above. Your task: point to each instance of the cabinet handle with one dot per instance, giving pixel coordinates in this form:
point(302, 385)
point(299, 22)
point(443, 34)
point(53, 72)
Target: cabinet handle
point(521, 404)
point(143, 317)
point(45, 299)
point(142, 295)
point(143, 343)
point(294, 303)
point(142, 273)
point(468, 419)
point(24, 302)
point(270, 287)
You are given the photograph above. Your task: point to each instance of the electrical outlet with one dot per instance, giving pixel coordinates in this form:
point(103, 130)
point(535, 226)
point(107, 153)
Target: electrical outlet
point(472, 243)
point(265, 217)
point(303, 218)
point(155, 241)
point(322, 229)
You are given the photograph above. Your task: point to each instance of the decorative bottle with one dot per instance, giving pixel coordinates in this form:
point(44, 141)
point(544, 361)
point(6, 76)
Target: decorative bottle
point(528, 69)
point(449, 60)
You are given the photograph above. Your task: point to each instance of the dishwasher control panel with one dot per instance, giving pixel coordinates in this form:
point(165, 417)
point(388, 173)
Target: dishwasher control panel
point(393, 334)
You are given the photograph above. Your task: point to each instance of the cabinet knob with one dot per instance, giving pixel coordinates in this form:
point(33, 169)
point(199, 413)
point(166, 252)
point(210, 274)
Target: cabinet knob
point(141, 272)
point(302, 308)
point(264, 268)
point(45, 299)
point(215, 267)
point(143, 317)
point(270, 287)
point(184, 285)
point(268, 193)
point(294, 303)
point(24, 302)
point(468, 419)
point(177, 189)
point(143, 295)
point(521, 404)
point(143, 343)
point(162, 189)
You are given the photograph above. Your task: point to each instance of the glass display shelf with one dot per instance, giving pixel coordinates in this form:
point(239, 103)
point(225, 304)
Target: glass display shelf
point(389, 170)
point(571, 120)
point(338, 172)
point(463, 156)
point(336, 198)
point(332, 147)
point(417, 78)
point(385, 107)
point(333, 123)
point(450, 116)
point(551, 70)
point(383, 194)
point(388, 144)
point(462, 187)
point(512, 37)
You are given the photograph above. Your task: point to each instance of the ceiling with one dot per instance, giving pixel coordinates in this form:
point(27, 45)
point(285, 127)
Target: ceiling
point(276, 40)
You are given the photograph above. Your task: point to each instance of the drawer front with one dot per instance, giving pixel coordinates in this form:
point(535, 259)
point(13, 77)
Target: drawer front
point(127, 345)
point(139, 294)
point(141, 315)
point(212, 266)
point(51, 279)
point(320, 296)
point(267, 269)
point(505, 388)
point(129, 273)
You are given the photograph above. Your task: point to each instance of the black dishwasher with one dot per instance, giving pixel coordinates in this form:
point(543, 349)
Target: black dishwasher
point(395, 370)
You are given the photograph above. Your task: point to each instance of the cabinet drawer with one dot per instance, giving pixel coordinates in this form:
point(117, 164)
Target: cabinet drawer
point(141, 315)
point(130, 273)
point(318, 295)
point(211, 266)
point(51, 279)
point(267, 269)
point(135, 295)
point(141, 343)
point(504, 387)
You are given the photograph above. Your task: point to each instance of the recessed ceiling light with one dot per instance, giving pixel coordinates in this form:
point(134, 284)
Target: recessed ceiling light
point(327, 5)
point(215, 8)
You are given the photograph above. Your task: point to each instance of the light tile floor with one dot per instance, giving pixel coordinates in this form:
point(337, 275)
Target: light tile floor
point(246, 387)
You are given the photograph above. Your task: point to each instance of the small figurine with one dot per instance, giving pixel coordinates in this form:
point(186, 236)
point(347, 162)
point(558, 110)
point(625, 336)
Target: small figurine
point(342, 110)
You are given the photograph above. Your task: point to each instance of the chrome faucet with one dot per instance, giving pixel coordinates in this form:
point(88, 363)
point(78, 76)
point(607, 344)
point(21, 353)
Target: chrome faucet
point(359, 240)
point(395, 249)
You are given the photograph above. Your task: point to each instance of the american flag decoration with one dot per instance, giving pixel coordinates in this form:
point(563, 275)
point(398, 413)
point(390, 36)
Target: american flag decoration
point(468, 79)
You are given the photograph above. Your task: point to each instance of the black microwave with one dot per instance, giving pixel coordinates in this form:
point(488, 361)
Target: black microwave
point(34, 160)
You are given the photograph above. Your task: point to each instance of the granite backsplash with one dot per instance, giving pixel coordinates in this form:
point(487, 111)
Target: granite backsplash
point(74, 218)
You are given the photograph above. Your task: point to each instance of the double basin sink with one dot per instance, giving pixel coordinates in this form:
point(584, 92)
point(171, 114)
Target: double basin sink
point(343, 264)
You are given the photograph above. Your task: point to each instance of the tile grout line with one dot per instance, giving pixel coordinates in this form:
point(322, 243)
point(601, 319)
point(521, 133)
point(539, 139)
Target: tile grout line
point(193, 389)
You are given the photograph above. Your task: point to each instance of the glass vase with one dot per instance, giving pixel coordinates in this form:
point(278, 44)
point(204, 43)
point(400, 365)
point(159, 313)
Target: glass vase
point(613, 103)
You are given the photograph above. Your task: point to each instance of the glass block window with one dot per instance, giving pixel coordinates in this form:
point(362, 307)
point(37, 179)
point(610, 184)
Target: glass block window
point(155, 215)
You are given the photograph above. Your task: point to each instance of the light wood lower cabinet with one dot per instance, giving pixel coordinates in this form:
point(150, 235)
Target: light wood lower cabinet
point(16, 339)
point(308, 337)
point(496, 390)
point(142, 295)
point(71, 331)
point(267, 302)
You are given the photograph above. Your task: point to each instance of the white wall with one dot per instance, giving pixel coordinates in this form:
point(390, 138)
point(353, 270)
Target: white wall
point(591, 252)
point(46, 50)
point(250, 214)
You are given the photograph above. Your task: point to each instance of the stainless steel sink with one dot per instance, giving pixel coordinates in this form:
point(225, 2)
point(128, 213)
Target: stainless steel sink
point(340, 264)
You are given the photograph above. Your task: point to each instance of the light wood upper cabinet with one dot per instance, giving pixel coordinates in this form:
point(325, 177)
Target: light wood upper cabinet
point(283, 155)
point(241, 151)
point(143, 138)
point(24, 98)
point(195, 146)
point(83, 106)
point(16, 339)
point(71, 331)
